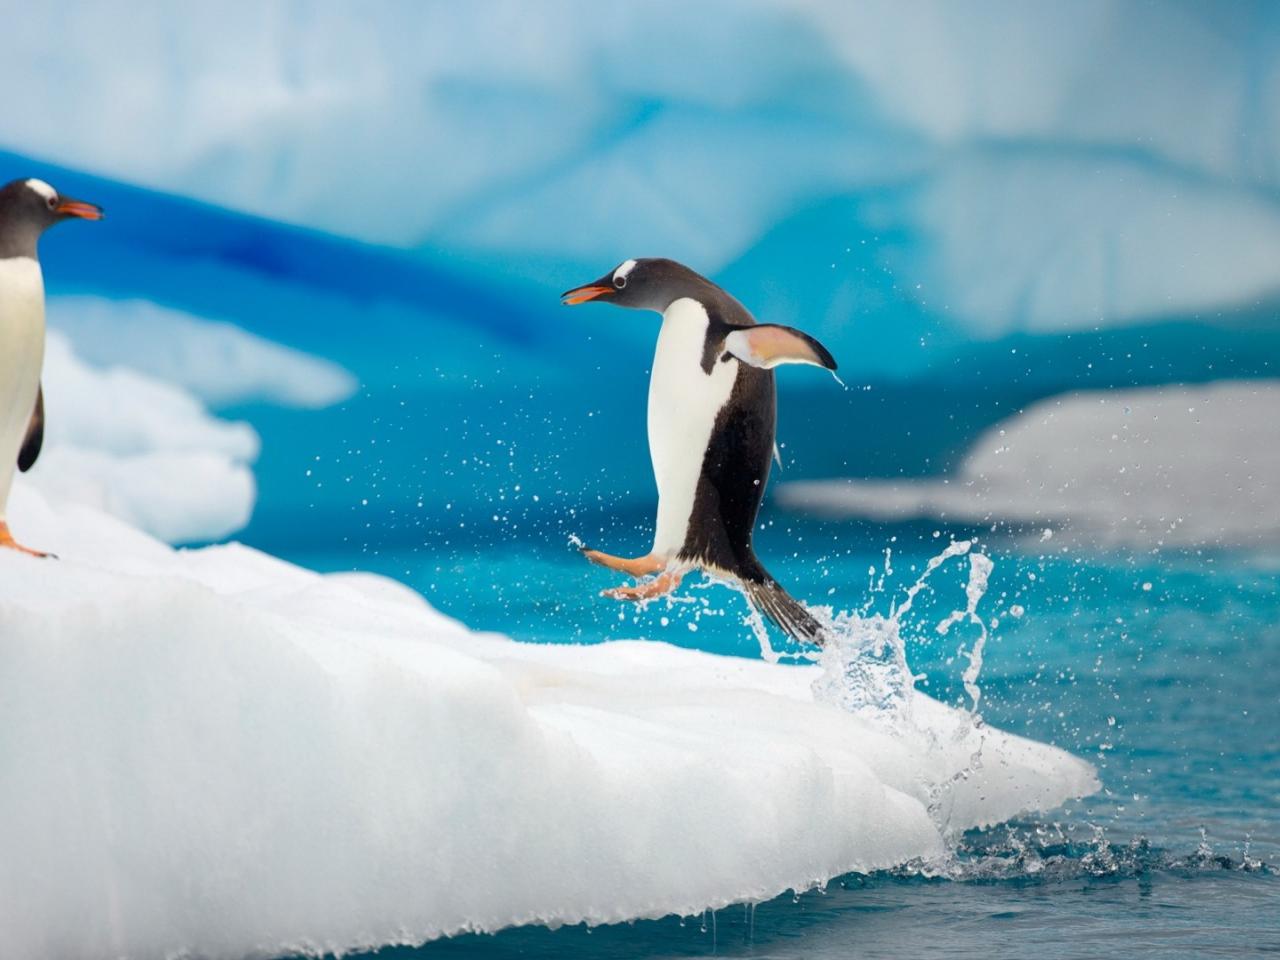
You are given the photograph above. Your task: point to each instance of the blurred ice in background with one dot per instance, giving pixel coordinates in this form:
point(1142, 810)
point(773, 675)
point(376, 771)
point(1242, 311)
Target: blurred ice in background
point(975, 207)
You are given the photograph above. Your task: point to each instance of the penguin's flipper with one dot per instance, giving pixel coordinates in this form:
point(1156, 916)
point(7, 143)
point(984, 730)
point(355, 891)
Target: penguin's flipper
point(767, 596)
point(768, 345)
point(648, 590)
point(636, 567)
point(35, 435)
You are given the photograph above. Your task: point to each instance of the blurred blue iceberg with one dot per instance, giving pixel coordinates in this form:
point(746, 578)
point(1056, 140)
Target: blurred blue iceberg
point(974, 207)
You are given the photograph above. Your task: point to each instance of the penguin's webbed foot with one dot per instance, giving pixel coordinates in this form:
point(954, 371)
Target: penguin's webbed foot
point(636, 567)
point(7, 541)
point(656, 587)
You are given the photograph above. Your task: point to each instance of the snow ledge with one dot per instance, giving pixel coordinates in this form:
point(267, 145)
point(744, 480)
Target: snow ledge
point(212, 752)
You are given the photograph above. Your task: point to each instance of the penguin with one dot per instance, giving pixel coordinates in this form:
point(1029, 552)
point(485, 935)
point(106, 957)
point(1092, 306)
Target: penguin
point(27, 209)
point(711, 421)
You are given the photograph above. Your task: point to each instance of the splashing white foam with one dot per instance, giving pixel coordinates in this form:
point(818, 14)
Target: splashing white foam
point(865, 669)
point(980, 567)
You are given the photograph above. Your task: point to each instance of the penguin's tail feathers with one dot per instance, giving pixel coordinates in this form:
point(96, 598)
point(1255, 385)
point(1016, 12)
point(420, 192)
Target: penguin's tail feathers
point(790, 615)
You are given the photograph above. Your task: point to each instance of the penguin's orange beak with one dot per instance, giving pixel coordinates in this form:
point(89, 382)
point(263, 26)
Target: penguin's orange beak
point(582, 294)
point(78, 208)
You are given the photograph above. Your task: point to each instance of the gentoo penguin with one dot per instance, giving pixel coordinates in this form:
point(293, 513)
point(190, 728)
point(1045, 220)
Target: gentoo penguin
point(712, 409)
point(27, 209)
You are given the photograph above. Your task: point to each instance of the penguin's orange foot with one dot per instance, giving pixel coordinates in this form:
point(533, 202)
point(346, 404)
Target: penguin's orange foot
point(636, 567)
point(646, 591)
point(6, 540)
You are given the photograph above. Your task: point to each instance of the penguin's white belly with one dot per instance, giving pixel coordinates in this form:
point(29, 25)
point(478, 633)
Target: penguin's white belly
point(21, 356)
point(683, 404)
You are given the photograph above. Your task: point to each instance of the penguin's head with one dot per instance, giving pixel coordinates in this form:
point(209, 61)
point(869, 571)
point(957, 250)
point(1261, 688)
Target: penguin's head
point(651, 283)
point(29, 207)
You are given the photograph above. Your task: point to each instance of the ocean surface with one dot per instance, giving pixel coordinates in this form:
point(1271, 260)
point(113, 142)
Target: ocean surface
point(1158, 667)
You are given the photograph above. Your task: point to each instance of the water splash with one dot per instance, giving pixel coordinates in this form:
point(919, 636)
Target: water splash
point(956, 548)
point(755, 621)
point(864, 662)
point(865, 669)
point(980, 567)
point(1052, 853)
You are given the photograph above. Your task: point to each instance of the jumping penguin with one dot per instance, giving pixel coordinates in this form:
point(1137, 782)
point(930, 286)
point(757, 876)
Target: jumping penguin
point(27, 209)
point(712, 412)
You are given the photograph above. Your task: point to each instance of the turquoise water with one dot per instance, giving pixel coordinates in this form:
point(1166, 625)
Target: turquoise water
point(1159, 668)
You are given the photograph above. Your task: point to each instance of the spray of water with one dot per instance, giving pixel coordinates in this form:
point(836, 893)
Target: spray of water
point(980, 567)
point(864, 663)
point(866, 672)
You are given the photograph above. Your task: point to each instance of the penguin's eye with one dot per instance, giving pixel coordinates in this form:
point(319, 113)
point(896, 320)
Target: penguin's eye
point(619, 282)
point(51, 203)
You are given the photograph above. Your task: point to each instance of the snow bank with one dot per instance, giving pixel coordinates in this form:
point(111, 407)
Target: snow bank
point(1182, 466)
point(219, 363)
point(143, 450)
point(215, 753)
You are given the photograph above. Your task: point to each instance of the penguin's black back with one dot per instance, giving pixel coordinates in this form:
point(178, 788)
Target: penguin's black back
point(735, 471)
point(734, 474)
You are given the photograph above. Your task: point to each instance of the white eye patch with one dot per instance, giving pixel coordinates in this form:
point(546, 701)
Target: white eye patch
point(623, 269)
point(39, 186)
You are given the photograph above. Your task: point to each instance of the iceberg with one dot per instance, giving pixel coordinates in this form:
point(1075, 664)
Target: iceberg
point(127, 386)
point(142, 449)
point(215, 753)
point(127, 412)
point(1043, 168)
point(181, 497)
point(218, 362)
point(1177, 466)
point(1024, 241)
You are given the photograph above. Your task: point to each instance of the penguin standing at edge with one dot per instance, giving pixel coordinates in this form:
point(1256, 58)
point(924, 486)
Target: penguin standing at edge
point(712, 414)
point(27, 209)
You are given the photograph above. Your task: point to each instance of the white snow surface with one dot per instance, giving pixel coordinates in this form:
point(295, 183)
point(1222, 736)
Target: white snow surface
point(1068, 166)
point(144, 450)
point(1180, 466)
point(218, 362)
point(213, 753)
